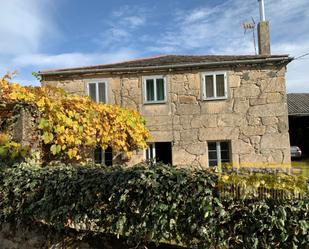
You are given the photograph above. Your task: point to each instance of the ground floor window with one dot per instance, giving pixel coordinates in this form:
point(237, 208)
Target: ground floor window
point(219, 152)
point(159, 152)
point(104, 157)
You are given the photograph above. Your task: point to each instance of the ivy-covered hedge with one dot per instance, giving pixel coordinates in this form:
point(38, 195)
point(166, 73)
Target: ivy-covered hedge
point(150, 204)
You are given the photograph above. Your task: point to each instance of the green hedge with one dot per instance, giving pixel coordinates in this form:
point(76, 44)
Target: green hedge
point(160, 204)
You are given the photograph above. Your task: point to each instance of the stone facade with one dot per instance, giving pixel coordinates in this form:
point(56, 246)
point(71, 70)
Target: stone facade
point(254, 117)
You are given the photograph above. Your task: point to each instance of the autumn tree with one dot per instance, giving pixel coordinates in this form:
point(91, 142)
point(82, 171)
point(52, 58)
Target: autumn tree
point(70, 124)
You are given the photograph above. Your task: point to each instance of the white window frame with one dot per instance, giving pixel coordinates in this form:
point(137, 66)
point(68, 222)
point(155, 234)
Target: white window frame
point(96, 82)
point(154, 78)
point(148, 153)
point(213, 74)
point(218, 150)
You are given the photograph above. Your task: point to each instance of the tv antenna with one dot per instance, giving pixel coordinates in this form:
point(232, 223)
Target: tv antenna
point(250, 27)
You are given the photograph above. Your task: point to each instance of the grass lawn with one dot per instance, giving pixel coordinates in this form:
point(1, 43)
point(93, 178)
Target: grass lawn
point(302, 165)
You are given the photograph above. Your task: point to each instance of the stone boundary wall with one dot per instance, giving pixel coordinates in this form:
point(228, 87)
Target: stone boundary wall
point(21, 122)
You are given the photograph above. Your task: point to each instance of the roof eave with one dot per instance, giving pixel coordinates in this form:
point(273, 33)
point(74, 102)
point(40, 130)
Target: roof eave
point(283, 60)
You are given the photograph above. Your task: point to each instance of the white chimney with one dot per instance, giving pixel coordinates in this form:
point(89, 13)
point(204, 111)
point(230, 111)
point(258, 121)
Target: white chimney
point(262, 11)
point(263, 32)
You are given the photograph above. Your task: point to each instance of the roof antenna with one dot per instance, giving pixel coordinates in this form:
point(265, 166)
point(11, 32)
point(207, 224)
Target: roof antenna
point(250, 26)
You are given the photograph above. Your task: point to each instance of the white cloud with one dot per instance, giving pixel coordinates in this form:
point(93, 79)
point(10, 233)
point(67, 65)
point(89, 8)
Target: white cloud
point(121, 26)
point(207, 28)
point(218, 30)
point(297, 70)
point(134, 21)
point(41, 61)
point(23, 26)
point(26, 25)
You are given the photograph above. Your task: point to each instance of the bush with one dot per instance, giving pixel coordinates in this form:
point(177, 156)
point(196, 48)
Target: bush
point(160, 204)
point(11, 151)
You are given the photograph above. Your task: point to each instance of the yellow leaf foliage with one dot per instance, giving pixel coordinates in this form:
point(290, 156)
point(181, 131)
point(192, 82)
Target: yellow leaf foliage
point(71, 123)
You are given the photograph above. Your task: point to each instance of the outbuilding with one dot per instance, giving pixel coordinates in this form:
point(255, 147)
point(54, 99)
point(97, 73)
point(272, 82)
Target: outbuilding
point(298, 106)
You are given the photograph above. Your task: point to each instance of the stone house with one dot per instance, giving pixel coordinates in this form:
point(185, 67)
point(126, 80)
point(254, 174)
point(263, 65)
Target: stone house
point(201, 110)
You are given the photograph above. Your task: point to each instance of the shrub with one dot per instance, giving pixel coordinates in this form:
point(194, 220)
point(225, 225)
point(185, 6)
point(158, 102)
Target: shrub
point(11, 151)
point(160, 203)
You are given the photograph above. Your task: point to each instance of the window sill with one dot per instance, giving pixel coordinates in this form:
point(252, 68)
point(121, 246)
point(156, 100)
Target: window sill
point(155, 103)
point(213, 99)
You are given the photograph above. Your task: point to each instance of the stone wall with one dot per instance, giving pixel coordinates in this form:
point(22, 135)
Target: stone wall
point(25, 129)
point(254, 117)
point(21, 121)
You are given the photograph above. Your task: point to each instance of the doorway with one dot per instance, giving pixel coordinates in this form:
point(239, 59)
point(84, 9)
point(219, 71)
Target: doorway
point(159, 152)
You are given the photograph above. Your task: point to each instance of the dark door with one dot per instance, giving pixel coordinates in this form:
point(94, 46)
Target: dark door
point(164, 152)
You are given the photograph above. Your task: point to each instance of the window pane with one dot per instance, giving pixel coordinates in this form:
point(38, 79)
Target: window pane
point(209, 86)
point(98, 155)
point(224, 145)
point(151, 151)
point(102, 92)
point(213, 163)
point(212, 155)
point(92, 91)
point(220, 85)
point(225, 156)
point(150, 90)
point(225, 151)
point(160, 89)
point(212, 146)
point(108, 154)
point(147, 154)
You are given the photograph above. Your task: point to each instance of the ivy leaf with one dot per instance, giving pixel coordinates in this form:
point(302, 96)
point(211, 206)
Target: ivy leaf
point(47, 137)
point(55, 149)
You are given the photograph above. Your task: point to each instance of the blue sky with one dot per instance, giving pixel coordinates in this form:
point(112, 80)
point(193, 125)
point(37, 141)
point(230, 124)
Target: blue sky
point(43, 34)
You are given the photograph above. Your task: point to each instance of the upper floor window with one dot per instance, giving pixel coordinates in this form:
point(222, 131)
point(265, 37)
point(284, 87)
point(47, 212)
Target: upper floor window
point(97, 90)
point(154, 89)
point(214, 85)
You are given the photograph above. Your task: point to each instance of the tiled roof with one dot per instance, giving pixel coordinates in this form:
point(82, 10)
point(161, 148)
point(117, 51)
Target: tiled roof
point(166, 60)
point(298, 103)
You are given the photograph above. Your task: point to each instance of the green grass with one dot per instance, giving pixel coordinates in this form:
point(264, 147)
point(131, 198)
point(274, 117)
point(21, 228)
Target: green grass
point(302, 166)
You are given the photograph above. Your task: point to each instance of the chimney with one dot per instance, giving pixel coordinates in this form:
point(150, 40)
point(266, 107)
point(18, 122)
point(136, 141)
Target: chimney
point(263, 32)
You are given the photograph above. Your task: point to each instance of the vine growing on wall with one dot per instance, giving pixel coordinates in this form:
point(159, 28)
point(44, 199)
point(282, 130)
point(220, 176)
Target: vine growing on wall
point(72, 124)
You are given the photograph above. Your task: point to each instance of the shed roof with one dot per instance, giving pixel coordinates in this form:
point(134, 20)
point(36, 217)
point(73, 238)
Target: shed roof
point(298, 104)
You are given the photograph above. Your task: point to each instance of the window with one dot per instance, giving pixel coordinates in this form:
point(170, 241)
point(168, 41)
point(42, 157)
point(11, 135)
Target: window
point(154, 89)
point(218, 152)
point(150, 153)
point(159, 152)
point(98, 91)
point(214, 85)
point(104, 157)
